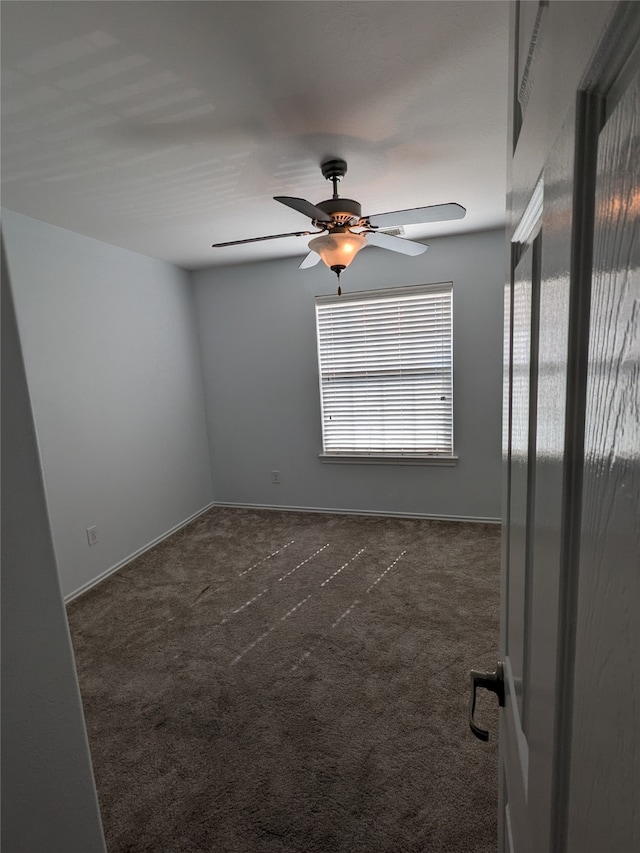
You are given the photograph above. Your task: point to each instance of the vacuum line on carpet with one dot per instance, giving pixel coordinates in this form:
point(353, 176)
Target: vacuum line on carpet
point(264, 559)
point(244, 606)
point(345, 614)
point(270, 630)
point(388, 569)
point(293, 609)
point(331, 577)
point(303, 658)
point(264, 591)
point(288, 574)
point(306, 655)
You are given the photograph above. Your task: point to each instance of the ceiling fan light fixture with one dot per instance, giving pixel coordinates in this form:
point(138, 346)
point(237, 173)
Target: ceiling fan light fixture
point(338, 249)
point(335, 217)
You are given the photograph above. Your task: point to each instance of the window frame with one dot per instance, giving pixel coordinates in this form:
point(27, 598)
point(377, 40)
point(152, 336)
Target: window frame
point(392, 457)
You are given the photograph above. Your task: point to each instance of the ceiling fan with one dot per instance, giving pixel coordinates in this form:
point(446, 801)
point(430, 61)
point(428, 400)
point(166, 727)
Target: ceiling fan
point(345, 230)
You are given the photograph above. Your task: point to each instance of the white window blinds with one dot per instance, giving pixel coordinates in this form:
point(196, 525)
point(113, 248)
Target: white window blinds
point(386, 382)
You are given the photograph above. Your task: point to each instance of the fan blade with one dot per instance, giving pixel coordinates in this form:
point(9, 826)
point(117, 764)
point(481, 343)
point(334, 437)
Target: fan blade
point(303, 206)
point(259, 239)
point(418, 215)
point(310, 261)
point(396, 244)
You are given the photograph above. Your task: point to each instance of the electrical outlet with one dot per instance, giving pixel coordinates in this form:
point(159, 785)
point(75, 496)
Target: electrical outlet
point(92, 535)
point(275, 478)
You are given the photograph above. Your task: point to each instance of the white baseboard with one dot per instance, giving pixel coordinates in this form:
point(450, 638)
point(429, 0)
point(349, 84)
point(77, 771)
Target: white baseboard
point(332, 511)
point(94, 581)
point(431, 517)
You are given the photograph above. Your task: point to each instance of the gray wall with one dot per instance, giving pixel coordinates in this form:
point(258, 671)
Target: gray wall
point(257, 334)
point(112, 362)
point(48, 794)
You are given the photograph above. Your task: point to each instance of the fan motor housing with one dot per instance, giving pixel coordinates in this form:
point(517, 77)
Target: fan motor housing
point(343, 211)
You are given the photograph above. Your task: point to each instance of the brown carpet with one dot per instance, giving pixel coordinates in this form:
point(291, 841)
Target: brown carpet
point(270, 682)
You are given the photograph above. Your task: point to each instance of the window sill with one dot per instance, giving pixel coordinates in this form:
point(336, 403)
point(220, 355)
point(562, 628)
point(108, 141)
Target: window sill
point(386, 459)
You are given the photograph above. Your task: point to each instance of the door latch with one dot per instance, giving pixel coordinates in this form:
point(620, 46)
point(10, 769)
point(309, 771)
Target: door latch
point(493, 681)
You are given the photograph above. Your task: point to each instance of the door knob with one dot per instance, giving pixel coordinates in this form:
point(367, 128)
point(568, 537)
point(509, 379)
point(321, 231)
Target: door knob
point(493, 681)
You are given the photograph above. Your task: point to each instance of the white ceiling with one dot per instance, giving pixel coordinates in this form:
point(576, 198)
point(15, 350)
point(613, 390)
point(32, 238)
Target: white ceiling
point(163, 127)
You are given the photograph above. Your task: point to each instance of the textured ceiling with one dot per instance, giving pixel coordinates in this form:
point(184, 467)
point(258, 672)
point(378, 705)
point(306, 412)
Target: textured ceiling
point(163, 127)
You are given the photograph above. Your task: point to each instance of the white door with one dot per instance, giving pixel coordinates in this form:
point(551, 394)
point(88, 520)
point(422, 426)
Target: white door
point(570, 636)
point(604, 785)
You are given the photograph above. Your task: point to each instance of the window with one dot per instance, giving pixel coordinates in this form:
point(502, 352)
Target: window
point(386, 383)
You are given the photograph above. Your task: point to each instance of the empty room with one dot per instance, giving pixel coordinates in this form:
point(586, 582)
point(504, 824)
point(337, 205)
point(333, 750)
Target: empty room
point(320, 489)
